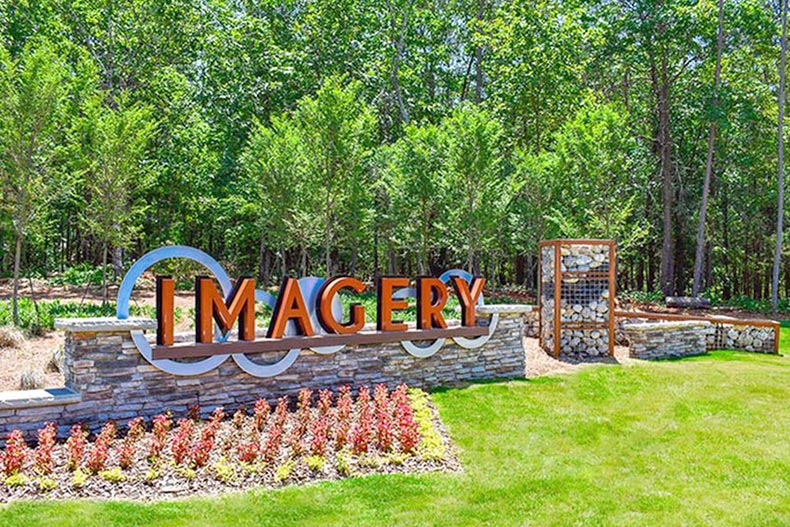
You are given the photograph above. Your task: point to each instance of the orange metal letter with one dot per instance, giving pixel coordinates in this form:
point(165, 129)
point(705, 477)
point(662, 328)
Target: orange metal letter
point(386, 304)
point(325, 296)
point(165, 297)
point(429, 313)
point(239, 305)
point(467, 298)
point(290, 305)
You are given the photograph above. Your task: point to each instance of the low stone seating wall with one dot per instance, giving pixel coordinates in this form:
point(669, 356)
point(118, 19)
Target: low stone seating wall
point(108, 378)
point(661, 340)
point(759, 336)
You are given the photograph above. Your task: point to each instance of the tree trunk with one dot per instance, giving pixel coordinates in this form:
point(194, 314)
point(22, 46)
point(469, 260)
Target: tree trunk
point(667, 187)
point(17, 262)
point(700, 252)
point(479, 57)
point(104, 275)
point(780, 172)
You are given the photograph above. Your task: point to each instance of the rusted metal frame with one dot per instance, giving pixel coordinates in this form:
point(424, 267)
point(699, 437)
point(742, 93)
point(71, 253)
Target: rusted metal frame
point(612, 285)
point(713, 319)
point(193, 350)
point(557, 298)
point(581, 241)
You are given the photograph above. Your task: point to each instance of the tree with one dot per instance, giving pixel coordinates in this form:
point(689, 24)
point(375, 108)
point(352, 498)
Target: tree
point(116, 142)
point(337, 131)
point(32, 92)
point(274, 160)
point(703, 208)
point(780, 152)
point(416, 190)
point(476, 186)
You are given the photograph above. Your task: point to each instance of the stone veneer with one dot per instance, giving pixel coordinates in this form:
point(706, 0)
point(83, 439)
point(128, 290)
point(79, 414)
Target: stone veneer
point(731, 334)
point(661, 340)
point(107, 378)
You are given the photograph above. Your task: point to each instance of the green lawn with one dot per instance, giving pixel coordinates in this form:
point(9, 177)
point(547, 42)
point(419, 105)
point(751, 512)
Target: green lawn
point(703, 441)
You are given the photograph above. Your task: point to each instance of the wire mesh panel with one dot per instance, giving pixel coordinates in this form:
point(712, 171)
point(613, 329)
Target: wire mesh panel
point(577, 297)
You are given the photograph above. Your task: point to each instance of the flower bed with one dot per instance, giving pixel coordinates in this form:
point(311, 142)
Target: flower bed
point(318, 436)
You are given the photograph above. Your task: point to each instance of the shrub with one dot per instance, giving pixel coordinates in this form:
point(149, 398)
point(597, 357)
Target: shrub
point(319, 436)
point(238, 418)
point(15, 454)
point(315, 463)
point(11, 337)
point(97, 457)
point(261, 413)
point(223, 471)
point(343, 423)
point(108, 433)
point(56, 360)
point(114, 475)
point(271, 447)
point(136, 428)
point(248, 452)
point(75, 447)
point(284, 471)
point(200, 452)
point(193, 412)
point(46, 444)
point(281, 412)
point(324, 401)
point(79, 478)
point(31, 380)
point(126, 453)
point(17, 480)
point(161, 426)
point(46, 484)
point(180, 443)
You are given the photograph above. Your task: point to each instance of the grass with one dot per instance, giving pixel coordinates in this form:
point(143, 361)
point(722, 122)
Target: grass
point(700, 441)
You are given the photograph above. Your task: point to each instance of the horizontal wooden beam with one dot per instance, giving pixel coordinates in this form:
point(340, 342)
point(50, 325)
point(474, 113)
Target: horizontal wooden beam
point(192, 350)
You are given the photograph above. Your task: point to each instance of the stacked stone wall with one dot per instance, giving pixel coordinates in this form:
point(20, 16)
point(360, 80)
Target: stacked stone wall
point(107, 378)
point(662, 340)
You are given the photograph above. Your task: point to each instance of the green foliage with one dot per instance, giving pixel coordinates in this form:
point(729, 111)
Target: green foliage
point(40, 316)
point(284, 470)
point(113, 475)
point(17, 479)
point(82, 274)
point(79, 478)
point(395, 137)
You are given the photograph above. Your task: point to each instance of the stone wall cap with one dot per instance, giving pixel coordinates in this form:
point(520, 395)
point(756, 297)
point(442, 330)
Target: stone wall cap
point(491, 309)
point(669, 324)
point(35, 398)
point(99, 324)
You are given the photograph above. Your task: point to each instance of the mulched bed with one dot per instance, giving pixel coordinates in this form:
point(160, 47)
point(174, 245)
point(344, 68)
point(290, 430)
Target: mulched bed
point(379, 431)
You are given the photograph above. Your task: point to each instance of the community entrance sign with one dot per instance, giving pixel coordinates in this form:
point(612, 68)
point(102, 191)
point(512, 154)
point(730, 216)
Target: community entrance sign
point(306, 314)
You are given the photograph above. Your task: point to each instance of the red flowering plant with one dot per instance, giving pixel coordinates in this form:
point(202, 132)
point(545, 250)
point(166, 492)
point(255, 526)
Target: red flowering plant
point(46, 444)
point(248, 452)
point(97, 457)
point(319, 432)
point(271, 447)
point(136, 428)
point(161, 428)
point(324, 401)
point(126, 453)
point(200, 452)
point(261, 414)
point(75, 447)
point(15, 454)
point(181, 441)
point(343, 422)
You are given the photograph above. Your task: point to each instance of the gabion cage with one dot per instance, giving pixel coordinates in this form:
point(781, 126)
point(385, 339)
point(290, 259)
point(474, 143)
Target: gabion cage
point(577, 287)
